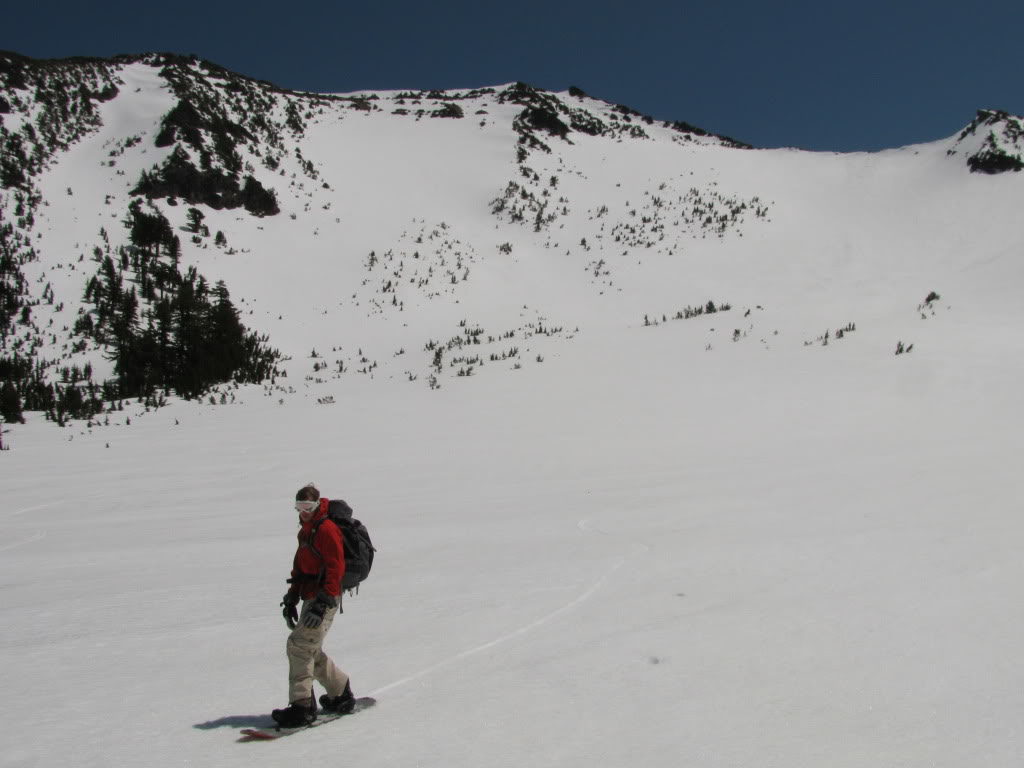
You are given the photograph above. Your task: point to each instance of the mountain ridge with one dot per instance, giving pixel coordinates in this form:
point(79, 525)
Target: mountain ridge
point(523, 161)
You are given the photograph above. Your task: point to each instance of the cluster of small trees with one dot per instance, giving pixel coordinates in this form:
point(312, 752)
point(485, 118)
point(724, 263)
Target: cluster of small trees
point(178, 177)
point(518, 202)
point(432, 262)
point(928, 306)
point(448, 109)
point(689, 312)
point(840, 333)
point(696, 212)
point(13, 250)
point(26, 388)
point(165, 329)
point(467, 360)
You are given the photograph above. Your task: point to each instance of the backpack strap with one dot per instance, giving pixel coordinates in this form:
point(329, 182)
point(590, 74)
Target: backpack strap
point(324, 506)
point(316, 528)
point(312, 544)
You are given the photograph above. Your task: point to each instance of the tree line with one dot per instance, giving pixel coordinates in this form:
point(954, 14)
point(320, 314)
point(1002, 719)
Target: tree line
point(165, 330)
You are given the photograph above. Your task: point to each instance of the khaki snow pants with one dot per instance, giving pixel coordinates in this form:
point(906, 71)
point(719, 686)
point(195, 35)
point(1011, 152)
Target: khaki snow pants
point(307, 660)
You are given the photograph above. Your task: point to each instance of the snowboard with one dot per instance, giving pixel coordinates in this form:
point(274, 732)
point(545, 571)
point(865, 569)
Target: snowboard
point(272, 732)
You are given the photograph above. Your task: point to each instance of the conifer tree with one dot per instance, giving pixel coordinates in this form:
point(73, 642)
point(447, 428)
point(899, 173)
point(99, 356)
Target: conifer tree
point(10, 404)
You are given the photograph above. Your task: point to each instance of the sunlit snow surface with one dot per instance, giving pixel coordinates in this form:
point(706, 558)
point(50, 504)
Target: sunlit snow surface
point(656, 546)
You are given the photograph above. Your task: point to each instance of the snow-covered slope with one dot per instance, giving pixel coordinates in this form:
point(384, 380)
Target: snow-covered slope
point(613, 525)
point(406, 220)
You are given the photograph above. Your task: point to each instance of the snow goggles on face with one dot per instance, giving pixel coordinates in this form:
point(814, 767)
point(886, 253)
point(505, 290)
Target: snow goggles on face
point(306, 506)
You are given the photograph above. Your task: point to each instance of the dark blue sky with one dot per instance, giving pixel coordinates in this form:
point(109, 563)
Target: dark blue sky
point(818, 75)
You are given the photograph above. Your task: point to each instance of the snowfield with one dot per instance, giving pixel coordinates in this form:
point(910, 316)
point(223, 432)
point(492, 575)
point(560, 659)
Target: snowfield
point(713, 542)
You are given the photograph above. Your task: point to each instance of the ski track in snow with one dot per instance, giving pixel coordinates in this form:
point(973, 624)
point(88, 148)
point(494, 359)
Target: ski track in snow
point(583, 525)
point(38, 535)
point(25, 510)
point(34, 537)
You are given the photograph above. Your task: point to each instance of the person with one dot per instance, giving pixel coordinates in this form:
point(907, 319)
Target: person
point(317, 570)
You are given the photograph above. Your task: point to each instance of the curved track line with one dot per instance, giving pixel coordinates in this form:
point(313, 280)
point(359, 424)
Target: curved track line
point(25, 510)
point(34, 537)
point(505, 638)
point(583, 525)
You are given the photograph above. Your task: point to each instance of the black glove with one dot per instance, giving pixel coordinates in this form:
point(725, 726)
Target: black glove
point(290, 612)
point(315, 612)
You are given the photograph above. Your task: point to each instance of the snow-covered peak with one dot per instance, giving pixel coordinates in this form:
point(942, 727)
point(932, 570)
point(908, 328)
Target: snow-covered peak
point(992, 143)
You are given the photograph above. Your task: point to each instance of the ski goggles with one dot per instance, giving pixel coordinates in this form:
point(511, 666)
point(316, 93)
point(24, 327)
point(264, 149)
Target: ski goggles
point(306, 506)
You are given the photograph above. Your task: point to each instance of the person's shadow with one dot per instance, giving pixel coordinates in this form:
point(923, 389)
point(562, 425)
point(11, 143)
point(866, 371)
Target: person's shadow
point(236, 721)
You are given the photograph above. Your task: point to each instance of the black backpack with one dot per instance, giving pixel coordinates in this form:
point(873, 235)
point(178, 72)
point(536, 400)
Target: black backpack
point(356, 539)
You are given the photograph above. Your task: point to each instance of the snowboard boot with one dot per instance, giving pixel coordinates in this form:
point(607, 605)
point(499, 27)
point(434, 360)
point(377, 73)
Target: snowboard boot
point(339, 705)
point(296, 714)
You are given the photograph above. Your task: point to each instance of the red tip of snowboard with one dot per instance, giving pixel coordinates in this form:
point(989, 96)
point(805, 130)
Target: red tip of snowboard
point(273, 732)
point(252, 734)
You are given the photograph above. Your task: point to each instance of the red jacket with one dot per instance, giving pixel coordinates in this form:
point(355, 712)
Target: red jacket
point(321, 565)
